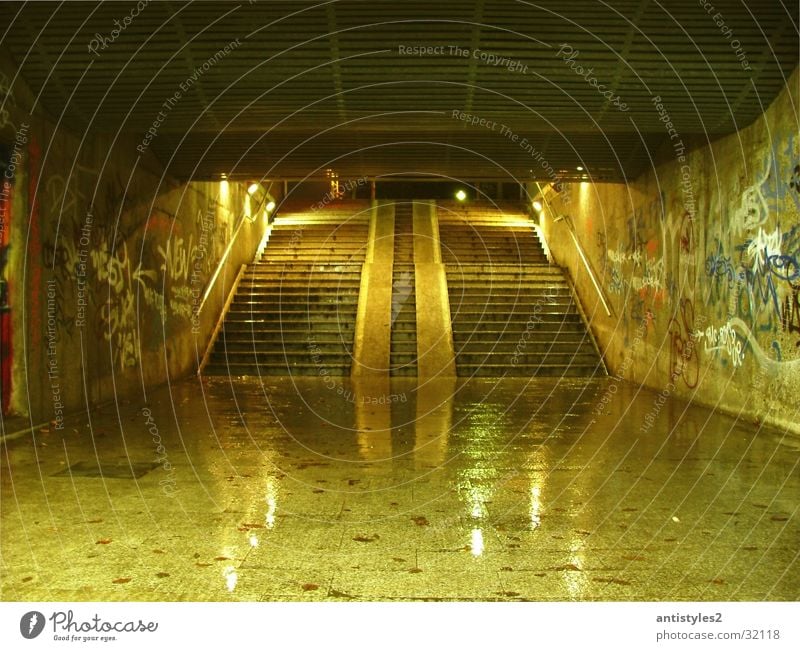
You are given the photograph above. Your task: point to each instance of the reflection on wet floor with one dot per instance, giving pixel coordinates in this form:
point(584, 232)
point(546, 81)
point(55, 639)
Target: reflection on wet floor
point(324, 489)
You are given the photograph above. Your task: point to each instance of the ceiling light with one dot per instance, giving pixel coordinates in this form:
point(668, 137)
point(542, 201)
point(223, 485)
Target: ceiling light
point(537, 206)
point(255, 187)
point(461, 195)
point(579, 168)
point(270, 206)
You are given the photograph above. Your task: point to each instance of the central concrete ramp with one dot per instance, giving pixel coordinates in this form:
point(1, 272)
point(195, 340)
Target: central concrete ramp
point(371, 353)
point(435, 354)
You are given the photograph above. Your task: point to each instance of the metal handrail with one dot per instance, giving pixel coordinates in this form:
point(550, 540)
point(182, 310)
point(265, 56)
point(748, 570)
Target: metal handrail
point(239, 223)
point(568, 220)
point(213, 339)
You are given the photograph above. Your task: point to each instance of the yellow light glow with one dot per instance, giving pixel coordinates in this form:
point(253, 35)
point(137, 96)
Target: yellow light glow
point(477, 510)
point(248, 211)
point(477, 542)
point(231, 578)
point(254, 187)
point(461, 195)
point(272, 502)
point(253, 540)
point(584, 189)
point(478, 496)
point(575, 577)
point(579, 168)
point(270, 206)
point(537, 206)
point(224, 191)
point(536, 507)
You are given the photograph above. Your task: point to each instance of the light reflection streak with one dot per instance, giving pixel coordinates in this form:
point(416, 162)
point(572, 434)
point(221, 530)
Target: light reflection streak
point(576, 580)
point(477, 542)
point(231, 577)
point(272, 502)
point(536, 507)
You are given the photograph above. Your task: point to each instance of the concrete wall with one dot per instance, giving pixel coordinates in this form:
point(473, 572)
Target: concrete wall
point(108, 261)
point(700, 261)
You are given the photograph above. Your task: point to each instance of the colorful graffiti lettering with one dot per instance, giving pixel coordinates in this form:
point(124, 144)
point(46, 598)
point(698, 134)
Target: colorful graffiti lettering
point(752, 210)
point(119, 285)
point(684, 356)
point(723, 339)
point(790, 317)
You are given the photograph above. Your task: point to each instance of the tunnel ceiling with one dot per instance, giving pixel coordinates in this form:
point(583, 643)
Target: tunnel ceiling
point(309, 86)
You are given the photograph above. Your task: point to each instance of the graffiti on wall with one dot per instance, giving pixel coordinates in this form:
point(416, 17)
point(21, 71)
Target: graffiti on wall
point(752, 265)
point(7, 104)
point(6, 332)
point(132, 266)
point(635, 267)
point(790, 317)
point(684, 356)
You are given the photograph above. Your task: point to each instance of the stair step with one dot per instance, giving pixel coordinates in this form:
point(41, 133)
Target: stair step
point(526, 358)
point(325, 314)
point(246, 302)
point(265, 274)
point(254, 344)
point(301, 370)
point(518, 345)
point(496, 330)
point(533, 337)
point(462, 316)
point(286, 323)
point(307, 265)
point(492, 272)
point(521, 370)
point(280, 337)
point(298, 286)
point(279, 356)
point(531, 303)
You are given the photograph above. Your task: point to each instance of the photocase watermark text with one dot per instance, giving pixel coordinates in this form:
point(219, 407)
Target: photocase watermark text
point(168, 483)
point(570, 57)
point(102, 42)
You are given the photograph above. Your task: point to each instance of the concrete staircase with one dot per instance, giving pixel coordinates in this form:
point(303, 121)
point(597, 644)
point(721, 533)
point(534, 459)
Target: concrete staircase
point(512, 313)
point(295, 308)
point(403, 355)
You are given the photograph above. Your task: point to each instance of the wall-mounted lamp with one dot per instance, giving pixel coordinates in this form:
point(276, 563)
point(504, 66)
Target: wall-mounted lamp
point(461, 195)
point(253, 188)
point(537, 206)
point(270, 206)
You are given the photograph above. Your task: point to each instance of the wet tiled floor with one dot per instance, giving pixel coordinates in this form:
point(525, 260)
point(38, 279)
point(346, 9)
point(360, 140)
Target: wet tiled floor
point(480, 490)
